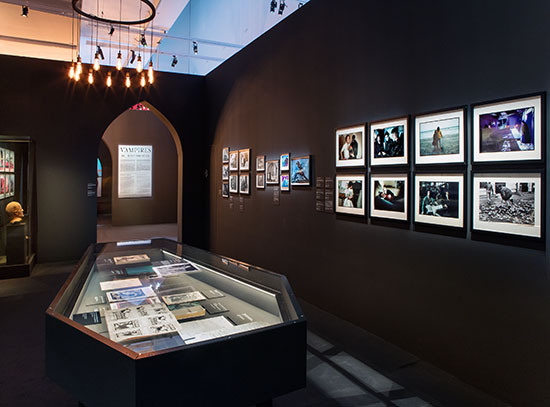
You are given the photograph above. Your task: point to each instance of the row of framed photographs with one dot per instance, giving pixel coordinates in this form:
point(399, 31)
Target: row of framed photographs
point(509, 203)
point(7, 185)
point(7, 160)
point(505, 130)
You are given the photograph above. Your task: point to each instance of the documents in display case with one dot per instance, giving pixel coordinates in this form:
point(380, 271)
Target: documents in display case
point(136, 317)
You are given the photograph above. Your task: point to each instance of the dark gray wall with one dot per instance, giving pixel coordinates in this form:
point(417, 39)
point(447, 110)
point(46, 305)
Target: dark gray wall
point(142, 127)
point(479, 310)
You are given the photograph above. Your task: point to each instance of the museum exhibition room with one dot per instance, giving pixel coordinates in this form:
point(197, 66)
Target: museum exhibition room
point(274, 203)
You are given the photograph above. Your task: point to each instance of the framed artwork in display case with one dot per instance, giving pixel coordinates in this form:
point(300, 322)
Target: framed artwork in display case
point(439, 199)
point(260, 181)
point(439, 137)
point(350, 194)
point(285, 181)
point(244, 184)
point(244, 159)
point(225, 172)
point(234, 183)
point(225, 155)
point(350, 146)
point(300, 173)
point(233, 160)
point(285, 162)
point(508, 203)
point(225, 189)
point(12, 184)
point(508, 130)
point(2, 159)
point(272, 172)
point(260, 163)
point(389, 196)
point(389, 142)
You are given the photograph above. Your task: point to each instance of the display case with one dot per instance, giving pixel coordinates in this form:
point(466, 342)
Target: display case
point(155, 322)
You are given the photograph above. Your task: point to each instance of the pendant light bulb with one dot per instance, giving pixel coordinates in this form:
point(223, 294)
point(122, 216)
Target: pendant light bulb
point(150, 73)
point(78, 65)
point(128, 80)
point(76, 76)
point(91, 77)
point(109, 80)
point(142, 80)
point(139, 66)
point(96, 62)
point(72, 71)
point(119, 61)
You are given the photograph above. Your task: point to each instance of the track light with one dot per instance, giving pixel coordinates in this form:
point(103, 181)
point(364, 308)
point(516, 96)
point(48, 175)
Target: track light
point(24, 11)
point(300, 4)
point(281, 6)
point(273, 6)
point(133, 57)
point(195, 47)
point(174, 61)
point(119, 61)
point(100, 52)
point(111, 30)
point(143, 41)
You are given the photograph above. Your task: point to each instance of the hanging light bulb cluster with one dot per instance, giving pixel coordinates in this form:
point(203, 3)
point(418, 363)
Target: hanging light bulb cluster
point(144, 78)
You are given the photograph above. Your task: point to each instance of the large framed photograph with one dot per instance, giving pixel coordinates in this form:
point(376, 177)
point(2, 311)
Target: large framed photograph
point(300, 170)
point(244, 159)
point(439, 137)
point(234, 183)
point(260, 181)
point(350, 146)
point(272, 172)
point(225, 172)
point(508, 131)
point(234, 160)
point(508, 203)
point(389, 142)
point(225, 155)
point(260, 163)
point(389, 196)
point(244, 184)
point(439, 199)
point(285, 162)
point(350, 194)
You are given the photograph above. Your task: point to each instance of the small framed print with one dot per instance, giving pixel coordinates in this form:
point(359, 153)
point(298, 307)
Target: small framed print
point(285, 181)
point(225, 172)
point(244, 159)
point(225, 155)
point(300, 170)
point(260, 181)
point(2, 158)
point(12, 161)
point(509, 203)
point(439, 199)
point(233, 161)
point(225, 190)
point(244, 184)
point(389, 196)
point(509, 130)
point(285, 162)
point(272, 172)
point(350, 194)
point(389, 142)
point(234, 183)
point(439, 138)
point(260, 163)
point(350, 146)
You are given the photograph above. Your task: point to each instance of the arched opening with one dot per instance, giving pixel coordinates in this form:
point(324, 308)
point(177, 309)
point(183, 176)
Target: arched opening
point(141, 181)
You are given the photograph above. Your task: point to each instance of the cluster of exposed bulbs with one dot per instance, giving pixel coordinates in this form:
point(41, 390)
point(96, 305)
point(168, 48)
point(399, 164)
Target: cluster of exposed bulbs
point(75, 71)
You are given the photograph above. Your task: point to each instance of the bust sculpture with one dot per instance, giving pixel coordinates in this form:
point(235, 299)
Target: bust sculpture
point(15, 212)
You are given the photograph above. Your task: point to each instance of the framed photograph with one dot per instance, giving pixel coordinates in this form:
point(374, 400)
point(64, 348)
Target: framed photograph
point(2, 186)
point(285, 162)
point(285, 181)
point(2, 158)
point(508, 131)
point(389, 196)
point(350, 146)
point(272, 172)
point(508, 203)
point(244, 184)
point(244, 159)
point(12, 184)
point(225, 155)
point(300, 170)
point(260, 181)
point(233, 161)
point(439, 199)
point(260, 163)
point(350, 193)
point(225, 190)
point(234, 183)
point(439, 137)
point(225, 172)
point(389, 142)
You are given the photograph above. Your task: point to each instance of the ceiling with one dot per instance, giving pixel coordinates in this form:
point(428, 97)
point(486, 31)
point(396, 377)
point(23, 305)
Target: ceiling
point(198, 34)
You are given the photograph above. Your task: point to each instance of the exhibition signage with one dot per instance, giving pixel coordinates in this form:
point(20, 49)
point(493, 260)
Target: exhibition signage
point(135, 166)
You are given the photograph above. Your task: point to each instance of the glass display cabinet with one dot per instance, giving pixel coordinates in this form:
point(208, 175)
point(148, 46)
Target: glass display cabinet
point(159, 323)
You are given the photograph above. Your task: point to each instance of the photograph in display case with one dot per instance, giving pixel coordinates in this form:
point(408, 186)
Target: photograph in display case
point(244, 184)
point(389, 196)
point(389, 142)
point(272, 172)
point(285, 181)
point(260, 181)
point(350, 193)
point(2, 186)
point(285, 162)
point(260, 163)
point(2, 159)
point(439, 199)
point(234, 183)
point(439, 137)
point(225, 155)
point(300, 170)
point(350, 146)
point(508, 131)
point(225, 172)
point(12, 161)
point(244, 159)
point(11, 184)
point(225, 189)
point(233, 160)
point(508, 203)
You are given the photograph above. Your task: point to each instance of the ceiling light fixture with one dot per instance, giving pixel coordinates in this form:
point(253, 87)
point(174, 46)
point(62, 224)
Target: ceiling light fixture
point(195, 47)
point(272, 6)
point(111, 31)
point(133, 57)
point(24, 11)
point(281, 6)
point(174, 61)
point(143, 41)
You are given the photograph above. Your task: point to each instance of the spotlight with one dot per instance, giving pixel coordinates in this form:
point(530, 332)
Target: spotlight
point(281, 7)
point(174, 61)
point(111, 30)
point(300, 4)
point(143, 41)
point(273, 6)
point(24, 11)
point(195, 47)
point(100, 52)
point(133, 57)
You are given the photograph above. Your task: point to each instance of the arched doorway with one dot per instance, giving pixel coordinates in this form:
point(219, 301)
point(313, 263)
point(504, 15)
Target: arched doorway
point(147, 170)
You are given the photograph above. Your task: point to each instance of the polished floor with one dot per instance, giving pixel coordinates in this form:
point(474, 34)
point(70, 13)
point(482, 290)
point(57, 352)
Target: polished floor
point(106, 232)
point(346, 366)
